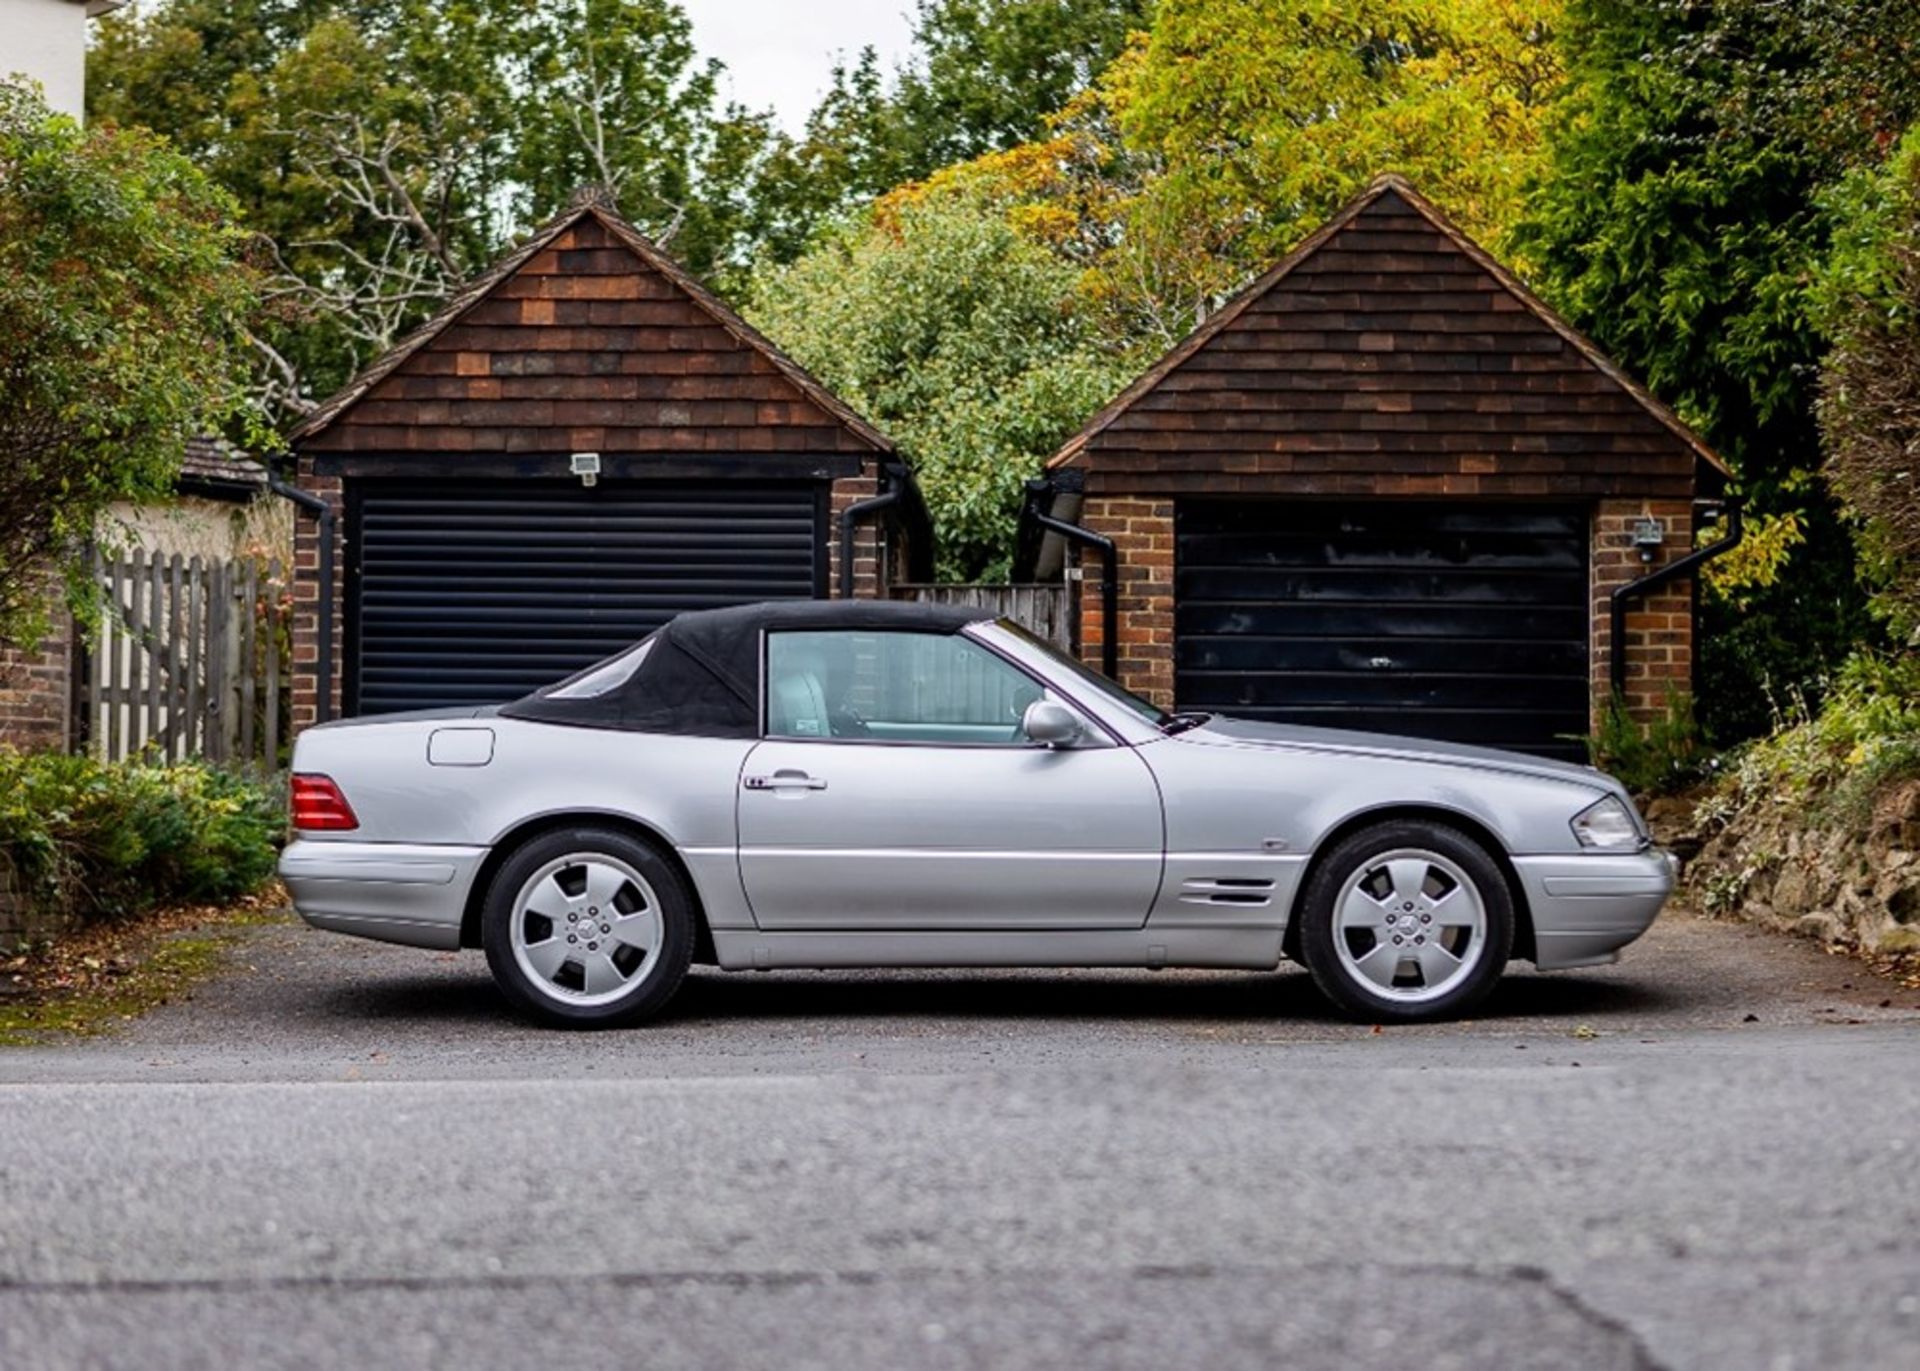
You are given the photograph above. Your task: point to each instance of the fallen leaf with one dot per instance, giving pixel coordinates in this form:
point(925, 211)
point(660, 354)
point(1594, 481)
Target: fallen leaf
point(1585, 1031)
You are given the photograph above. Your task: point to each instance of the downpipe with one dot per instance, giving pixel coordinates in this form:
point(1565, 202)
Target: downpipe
point(853, 514)
point(1109, 583)
point(1652, 581)
point(322, 513)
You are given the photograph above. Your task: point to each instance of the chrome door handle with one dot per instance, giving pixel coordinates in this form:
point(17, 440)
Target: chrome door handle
point(785, 780)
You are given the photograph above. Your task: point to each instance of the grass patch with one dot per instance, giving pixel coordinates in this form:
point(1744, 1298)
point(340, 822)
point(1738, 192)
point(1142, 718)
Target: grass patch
point(101, 978)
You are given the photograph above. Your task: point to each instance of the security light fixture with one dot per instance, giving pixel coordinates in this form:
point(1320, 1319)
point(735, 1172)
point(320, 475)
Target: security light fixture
point(586, 465)
point(1648, 535)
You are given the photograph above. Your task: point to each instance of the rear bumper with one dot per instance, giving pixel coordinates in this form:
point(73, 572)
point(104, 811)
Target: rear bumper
point(1587, 906)
point(396, 892)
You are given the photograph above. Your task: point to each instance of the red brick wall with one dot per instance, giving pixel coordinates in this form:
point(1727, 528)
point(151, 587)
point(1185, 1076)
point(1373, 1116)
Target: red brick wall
point(1660, 626)
point(36, 688)
point(305, 681)
point(869, 577)
point(1142, 532)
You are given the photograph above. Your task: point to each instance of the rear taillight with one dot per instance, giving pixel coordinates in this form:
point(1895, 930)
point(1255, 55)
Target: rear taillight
point(317, 804)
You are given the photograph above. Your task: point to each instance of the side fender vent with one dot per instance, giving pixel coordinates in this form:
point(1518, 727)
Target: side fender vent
point(1251, 891)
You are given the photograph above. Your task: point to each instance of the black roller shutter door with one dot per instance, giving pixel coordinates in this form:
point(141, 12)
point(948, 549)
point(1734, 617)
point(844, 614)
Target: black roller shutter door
point(479, 593)
point(1465, 622)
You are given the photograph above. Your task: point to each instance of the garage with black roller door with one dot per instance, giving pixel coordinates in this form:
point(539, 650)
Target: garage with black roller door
point(1385, 487)
point(487, 592)
point(1471, 618)
point(582, 443)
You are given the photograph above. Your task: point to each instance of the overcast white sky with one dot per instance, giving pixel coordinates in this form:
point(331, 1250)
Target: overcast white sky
point(779, 53)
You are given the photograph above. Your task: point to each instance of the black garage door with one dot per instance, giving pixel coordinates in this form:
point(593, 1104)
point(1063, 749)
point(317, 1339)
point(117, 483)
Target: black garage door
point(1459, 621)
point(478, 593)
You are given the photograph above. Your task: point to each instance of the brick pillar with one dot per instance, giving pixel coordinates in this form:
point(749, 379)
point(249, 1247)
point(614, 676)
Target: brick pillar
point(1142, 532)
point(36, 687)
point(869, 580)
point(305, 683)
point(1659, 626)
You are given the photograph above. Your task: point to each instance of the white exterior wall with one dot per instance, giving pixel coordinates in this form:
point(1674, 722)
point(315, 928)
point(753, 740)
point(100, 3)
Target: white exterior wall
point(47, 41)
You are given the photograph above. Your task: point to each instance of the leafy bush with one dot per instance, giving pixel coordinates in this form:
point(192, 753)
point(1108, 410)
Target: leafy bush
point(1870, 383)
point(1865, 735)
point(94, 840)
point(1652, 758)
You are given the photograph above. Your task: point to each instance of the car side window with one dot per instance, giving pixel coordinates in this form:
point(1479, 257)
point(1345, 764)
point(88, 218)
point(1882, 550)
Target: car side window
point(893, 687)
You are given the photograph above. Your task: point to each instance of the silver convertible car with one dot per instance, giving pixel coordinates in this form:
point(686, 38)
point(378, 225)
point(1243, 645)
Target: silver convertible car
point(841, 784)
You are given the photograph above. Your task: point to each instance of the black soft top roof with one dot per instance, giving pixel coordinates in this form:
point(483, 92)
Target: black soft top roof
point(702, 675)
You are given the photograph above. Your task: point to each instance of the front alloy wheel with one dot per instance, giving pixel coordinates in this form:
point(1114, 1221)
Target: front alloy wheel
point(1407, 921)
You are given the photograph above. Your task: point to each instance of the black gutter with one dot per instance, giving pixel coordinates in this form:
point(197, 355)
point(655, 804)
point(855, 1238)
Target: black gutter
point(1109, 582)
point(323, 514)
point(893, 486)
point(1652, 581)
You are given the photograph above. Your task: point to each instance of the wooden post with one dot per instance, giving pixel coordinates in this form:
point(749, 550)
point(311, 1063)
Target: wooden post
point(156, 619)
point(178, 725)
point(249, 605)
point(114, 733)
point(197, 665)
point(216, 715)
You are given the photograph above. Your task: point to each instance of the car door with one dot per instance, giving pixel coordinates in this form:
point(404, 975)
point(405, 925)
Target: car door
point(894, 789)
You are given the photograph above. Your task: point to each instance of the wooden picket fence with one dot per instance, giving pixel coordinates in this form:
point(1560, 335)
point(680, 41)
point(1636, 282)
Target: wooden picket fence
point(1044, 610)
point(189, 660)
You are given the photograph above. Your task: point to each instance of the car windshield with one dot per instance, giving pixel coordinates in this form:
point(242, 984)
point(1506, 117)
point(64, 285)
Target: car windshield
point(1087, 676)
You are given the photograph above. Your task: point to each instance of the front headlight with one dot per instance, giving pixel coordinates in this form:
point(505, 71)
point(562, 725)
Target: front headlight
point(1606, 824)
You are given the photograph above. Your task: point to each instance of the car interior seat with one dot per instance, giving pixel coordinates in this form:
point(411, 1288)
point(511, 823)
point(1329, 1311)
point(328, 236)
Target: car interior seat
point(798, 706)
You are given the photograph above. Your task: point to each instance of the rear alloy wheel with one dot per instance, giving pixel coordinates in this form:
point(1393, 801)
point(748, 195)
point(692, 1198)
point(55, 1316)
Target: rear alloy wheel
point(588, 928)
point(1405, 922)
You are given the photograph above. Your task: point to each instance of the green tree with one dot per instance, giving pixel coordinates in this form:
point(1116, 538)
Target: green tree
point(1680, 222)
point(961, 338)
point(988, 73)
point(984, 76)
point(853, 148)
point(1869, 406)
point(1262, 117)
point(122, 301)
point(390, 148)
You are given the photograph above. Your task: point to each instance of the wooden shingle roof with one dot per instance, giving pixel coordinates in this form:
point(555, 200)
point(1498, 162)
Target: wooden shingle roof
point(1389, 342)
point(586, 336)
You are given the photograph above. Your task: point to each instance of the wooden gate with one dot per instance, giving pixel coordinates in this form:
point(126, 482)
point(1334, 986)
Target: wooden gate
point(1043, 610)
point(188, 660)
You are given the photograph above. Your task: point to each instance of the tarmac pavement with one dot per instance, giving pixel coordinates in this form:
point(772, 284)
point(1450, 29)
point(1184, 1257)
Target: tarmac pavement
point(344, 1154)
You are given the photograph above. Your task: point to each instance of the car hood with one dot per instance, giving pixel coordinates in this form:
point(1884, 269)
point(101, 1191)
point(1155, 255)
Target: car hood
point(1223, 730)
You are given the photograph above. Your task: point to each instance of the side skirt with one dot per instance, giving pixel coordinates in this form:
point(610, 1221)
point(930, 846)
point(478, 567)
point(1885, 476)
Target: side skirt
point(1246, 946)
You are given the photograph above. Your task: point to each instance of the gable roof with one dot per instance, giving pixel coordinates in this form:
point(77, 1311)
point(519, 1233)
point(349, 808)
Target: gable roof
point(1393, 184)
point(212, 460)
point(482, 286)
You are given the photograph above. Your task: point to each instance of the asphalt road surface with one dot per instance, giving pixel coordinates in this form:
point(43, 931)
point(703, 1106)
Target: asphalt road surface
point(339, 1154)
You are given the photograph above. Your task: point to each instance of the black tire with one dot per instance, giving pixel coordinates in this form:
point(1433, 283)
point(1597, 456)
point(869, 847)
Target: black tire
point(650, 990)
point(1348, 989)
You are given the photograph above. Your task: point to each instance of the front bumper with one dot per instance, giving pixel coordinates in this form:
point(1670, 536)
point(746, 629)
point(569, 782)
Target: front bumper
point(410, 893)
point(1586, 906)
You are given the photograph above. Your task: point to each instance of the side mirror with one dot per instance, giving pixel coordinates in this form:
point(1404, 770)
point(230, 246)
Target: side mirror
point(1051, 725)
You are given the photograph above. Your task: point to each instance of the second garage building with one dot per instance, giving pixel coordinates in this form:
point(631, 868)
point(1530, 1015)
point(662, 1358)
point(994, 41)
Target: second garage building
point(1386, 488)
